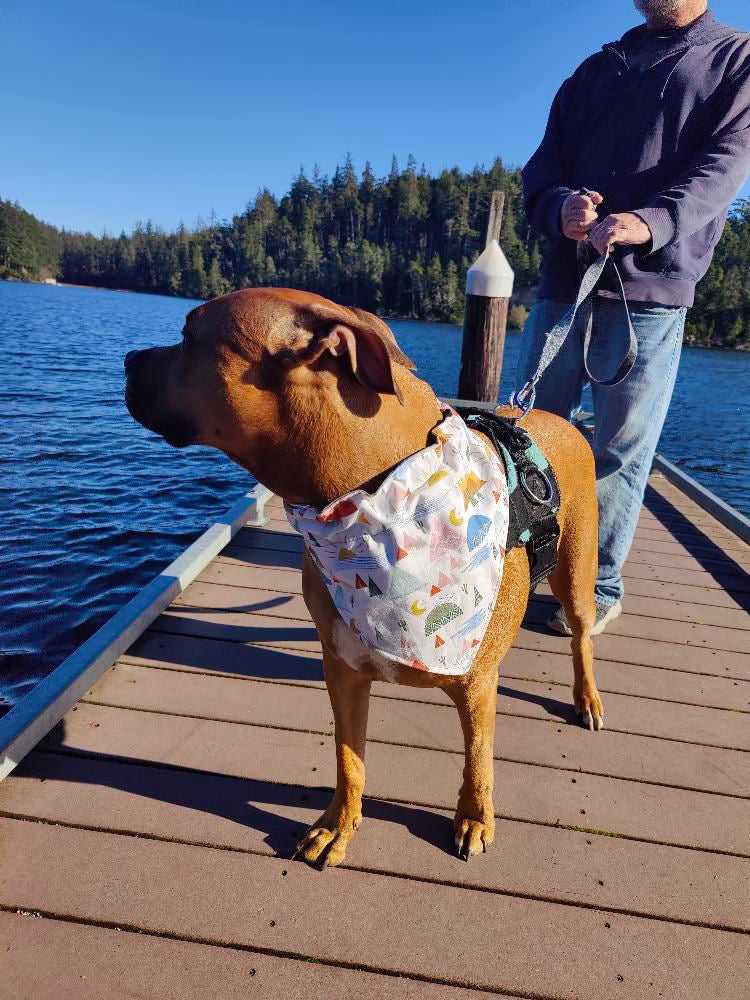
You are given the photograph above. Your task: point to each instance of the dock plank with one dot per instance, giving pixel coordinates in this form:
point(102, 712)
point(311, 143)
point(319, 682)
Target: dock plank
point(213, 607)
point(434, 726)
point(182, 653)
point(405, 773)
point(655, 629)
point(255, 599)
point(517, 696)
point(55, 959)
point(191, 768)
point(690, 593)
point(251, 540)
point(723, 577)
point(455, 935)
point(240, 627)
point(646, 652)
point(678, 606)
point(690, 535)
point(553, 864)
point(696, 544)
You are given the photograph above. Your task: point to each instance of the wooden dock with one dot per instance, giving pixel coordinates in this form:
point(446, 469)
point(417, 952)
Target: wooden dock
point(145, 841)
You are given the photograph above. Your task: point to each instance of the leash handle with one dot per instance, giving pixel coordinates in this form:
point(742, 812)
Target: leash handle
point(525, 397)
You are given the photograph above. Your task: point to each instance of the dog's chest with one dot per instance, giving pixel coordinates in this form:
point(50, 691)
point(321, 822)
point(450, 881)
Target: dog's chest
point(414, 569)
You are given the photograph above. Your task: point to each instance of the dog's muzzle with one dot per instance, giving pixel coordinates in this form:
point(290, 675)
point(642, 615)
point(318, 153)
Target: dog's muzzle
point(143, 398)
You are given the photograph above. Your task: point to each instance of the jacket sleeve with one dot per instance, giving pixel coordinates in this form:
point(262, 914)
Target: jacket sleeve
point(713, 178)
point(544, 187)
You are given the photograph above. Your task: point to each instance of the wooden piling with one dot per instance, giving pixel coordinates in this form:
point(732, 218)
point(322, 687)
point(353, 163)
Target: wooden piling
point(489, 285)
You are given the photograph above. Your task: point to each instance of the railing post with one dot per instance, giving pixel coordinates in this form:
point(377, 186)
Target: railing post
point(489, 285)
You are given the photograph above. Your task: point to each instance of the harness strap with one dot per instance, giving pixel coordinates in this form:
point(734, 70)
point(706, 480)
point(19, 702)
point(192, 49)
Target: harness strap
point(534, 502)
point(525, 397)
point(541, 549)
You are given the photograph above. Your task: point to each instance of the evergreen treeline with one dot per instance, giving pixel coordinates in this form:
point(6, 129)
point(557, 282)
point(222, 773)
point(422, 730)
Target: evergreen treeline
point(29, 248)
point(400, 245)
point(721, 314)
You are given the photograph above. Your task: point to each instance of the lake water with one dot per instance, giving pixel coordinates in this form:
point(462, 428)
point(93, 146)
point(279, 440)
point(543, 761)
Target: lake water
point(94, 505)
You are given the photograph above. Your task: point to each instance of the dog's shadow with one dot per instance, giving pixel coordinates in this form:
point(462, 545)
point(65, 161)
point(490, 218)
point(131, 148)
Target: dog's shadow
point(562, 710)
point(266, 807)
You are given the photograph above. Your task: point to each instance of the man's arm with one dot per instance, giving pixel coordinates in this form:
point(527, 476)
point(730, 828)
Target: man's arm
point(544, 187)
point(706, 187)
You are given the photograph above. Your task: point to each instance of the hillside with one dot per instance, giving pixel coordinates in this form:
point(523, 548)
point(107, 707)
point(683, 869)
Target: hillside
point(400, 246)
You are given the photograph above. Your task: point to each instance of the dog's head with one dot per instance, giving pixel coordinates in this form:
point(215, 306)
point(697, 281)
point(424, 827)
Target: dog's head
point(257, 366)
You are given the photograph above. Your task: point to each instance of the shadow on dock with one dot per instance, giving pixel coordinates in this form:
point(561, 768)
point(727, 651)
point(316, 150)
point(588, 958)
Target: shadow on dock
point(239, 800)
point(730, 575)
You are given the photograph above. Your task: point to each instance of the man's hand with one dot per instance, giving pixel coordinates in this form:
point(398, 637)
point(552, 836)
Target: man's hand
point(625, 227)
point(578, 214)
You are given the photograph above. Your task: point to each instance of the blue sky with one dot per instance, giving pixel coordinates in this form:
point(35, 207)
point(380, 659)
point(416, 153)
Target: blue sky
point(118, 112)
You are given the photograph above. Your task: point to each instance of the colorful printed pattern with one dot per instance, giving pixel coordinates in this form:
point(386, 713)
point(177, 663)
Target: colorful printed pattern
point(414, 569)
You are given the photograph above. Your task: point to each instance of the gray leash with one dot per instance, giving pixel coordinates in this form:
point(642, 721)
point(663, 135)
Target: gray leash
point(525, 397)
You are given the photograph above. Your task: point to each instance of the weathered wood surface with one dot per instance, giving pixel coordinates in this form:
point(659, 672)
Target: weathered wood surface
point(486, 315)
point(144, 844)
point(482, 347)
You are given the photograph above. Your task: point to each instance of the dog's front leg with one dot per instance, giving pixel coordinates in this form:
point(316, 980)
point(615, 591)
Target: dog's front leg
point(474, 822)
point(349, 691)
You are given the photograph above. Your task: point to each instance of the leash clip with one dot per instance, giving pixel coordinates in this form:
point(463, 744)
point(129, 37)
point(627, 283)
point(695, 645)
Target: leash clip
point(523, 399)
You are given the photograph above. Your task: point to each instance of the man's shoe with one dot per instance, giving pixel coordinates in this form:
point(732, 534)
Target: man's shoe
point(605, 613)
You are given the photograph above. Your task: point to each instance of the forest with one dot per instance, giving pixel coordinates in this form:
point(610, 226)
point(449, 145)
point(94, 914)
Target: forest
point(399, 246)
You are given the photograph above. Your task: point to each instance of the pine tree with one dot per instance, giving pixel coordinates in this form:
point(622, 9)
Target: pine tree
point(400, 245)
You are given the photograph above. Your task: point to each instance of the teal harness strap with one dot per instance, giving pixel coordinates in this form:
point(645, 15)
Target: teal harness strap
point(533, 493)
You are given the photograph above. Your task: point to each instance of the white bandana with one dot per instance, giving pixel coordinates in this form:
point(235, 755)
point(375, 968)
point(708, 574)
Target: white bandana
point(414, 568)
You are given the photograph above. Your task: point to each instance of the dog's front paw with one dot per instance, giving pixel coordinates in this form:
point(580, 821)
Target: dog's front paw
point(589, 706)
point(327, 840)
point(472, 836)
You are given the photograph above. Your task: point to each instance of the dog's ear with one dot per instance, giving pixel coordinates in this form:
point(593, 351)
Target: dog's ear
point(371, 347)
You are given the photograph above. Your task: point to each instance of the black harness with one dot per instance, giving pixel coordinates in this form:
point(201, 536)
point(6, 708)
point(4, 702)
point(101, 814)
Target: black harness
point(533, 493)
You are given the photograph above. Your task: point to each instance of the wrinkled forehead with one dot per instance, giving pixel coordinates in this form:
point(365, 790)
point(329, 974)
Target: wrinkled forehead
point(242, 321)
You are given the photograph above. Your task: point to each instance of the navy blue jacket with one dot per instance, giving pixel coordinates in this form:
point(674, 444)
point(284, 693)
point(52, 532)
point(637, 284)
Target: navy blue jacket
point(671, 144)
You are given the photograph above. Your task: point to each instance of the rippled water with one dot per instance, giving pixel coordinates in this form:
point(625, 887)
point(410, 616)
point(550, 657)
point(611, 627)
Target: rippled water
point(94, 505)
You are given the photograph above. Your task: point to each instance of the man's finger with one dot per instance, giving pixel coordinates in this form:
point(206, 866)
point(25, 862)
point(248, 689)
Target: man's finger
point(576, 201)
point(607, 230)
point(602, 240)
point(579, 215)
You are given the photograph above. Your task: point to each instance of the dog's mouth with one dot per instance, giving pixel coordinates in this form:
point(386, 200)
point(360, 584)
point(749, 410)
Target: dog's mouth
point(177, 431)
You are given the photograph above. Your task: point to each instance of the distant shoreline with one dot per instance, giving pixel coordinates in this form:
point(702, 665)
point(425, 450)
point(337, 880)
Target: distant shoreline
point(404, 319)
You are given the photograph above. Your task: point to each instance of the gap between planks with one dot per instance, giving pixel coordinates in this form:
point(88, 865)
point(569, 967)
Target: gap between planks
point(523, 642)
point(132, 658)
point(727, 638)
point(347, 865)
point(500, 758)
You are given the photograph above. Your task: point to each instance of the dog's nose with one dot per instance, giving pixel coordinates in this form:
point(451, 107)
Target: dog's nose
point(129, 357)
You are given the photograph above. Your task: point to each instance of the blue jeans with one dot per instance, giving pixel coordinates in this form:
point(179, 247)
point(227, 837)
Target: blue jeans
point(628, 417)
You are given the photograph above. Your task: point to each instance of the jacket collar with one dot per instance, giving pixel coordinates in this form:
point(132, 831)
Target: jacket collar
point(705, 29)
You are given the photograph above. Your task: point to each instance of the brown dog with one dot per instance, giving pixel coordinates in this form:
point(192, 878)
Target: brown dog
point(316, 400)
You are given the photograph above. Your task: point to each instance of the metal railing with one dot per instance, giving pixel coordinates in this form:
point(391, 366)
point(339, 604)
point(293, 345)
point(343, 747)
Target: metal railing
point(43, 707)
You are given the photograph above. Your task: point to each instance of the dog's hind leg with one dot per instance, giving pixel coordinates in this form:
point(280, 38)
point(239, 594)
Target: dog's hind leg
point(572, 583)
point(474, 822)
point(327, 840)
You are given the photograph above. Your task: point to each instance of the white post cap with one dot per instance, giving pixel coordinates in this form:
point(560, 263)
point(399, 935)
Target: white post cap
point(491, 275)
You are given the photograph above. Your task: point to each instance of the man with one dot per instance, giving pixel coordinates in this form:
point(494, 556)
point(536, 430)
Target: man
point(656, 128)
